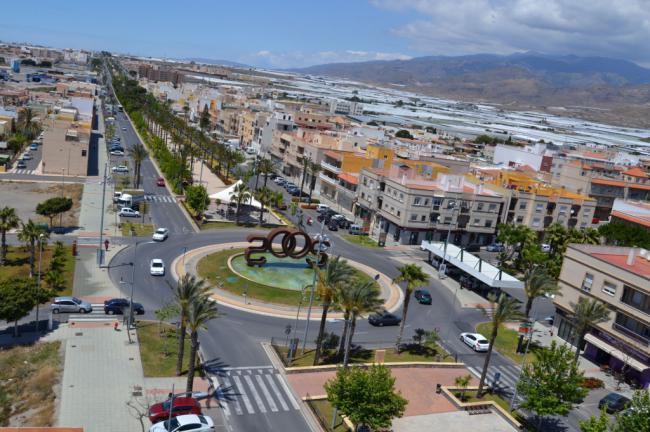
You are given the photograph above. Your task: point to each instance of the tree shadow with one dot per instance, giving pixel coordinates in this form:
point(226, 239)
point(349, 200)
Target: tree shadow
point(215, 367)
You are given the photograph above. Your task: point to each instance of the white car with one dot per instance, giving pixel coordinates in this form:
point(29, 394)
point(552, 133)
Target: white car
point(120, 169)
point(157, 267)
point(117, 153)
point(475, 341)
point(546, 248)
point(124, 129)
point(161, 234)
point(128, 212)
point(185, 423)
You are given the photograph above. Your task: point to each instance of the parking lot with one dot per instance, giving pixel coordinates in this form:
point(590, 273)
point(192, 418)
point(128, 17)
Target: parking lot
point(29, 162)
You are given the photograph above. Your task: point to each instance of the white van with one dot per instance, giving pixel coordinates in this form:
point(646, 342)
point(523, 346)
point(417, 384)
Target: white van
point(320, 208)
point(125, 200)
point(355, 229)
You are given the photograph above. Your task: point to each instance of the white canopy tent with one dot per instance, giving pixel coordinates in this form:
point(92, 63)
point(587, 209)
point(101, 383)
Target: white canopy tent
point(226, 196)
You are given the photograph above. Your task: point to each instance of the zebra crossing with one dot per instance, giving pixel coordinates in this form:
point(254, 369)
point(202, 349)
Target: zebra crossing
point(97, 315)
point(22, 171)
point(509, 375)
point(160, 198)
point(253, 390)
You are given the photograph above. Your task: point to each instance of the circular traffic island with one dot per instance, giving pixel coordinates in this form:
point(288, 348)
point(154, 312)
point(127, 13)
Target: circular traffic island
point(279, 280)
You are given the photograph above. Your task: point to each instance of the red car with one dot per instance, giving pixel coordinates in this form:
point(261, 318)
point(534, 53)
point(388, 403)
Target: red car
point(160, 182)
point(182, 405)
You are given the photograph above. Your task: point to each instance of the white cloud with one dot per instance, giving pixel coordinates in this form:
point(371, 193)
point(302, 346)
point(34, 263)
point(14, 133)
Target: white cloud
point(618, 28)
point(296, 59)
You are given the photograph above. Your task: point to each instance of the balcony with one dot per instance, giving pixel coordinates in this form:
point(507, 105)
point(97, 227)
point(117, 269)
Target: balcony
point(328, 179)
point(330, 167)
point(629, 333)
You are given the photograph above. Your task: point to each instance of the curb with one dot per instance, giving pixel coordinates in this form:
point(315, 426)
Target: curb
point(393, 302)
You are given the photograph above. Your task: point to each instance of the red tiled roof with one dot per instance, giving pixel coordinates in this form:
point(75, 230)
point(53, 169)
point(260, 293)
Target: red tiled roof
point(636, 172)
point(595, 155)
point(608, 182)
point(333, 155)
point(641, 219)
point(640, 266)
point(350, 178)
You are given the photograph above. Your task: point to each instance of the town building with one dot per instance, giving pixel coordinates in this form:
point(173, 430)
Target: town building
point(65, 147)
point(634, 213)
point(620, 278)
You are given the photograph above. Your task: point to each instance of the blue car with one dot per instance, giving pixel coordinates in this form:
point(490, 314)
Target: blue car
point(33, 146)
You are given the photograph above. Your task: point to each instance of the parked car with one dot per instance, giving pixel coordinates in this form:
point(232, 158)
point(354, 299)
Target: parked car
point(278, 180)
point(320, 208)
point(27, 156)
point(333, 226)
point(33, 146)
point(117, 153)
point(120, 169)
point(546, 248)
point(495, 247)
point(185, 423)
point(21, 164)
point(124, 129)
point(475, 341)
point(613, 402)
point(384, 319)
point(161, 234)
point(118, 306)
point(128, 212)
point(116, 148)
point(160, 182)
point(70, 304)
point(289, 185)
point(181, 406)
point(294, 191)
point(157, 267)
point(422, 296)
point(355, 230)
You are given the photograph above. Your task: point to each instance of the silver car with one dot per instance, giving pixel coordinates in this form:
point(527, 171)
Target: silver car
point(70, 304)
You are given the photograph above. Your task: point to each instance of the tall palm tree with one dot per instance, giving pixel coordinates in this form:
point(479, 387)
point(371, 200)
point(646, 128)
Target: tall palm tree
point(202, 309)
point(30, 234)
point(278, 199)
point(8, 221)
point(362, 296)
point(336, 272)
point(240, 193)
point(505, 309)
point(187, 289)
point(536, 284)
point(306, 162)
point(265, 166)
point(265, 197)
point(26, 124)
point(314, 169)
point(586, 313)
point(138, 153)
point(414, 277)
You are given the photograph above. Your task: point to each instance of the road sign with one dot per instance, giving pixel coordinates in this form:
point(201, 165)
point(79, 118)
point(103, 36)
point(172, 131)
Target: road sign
point(287, 329)
point(525, 328)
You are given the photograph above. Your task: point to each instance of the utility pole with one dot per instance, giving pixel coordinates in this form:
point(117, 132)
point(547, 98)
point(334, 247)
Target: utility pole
point(100, 253)
point(313, 284)
point(38, 281)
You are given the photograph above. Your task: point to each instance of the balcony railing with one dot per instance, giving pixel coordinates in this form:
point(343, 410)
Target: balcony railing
point(328, 179)
point(330, 167)
point(629, 333)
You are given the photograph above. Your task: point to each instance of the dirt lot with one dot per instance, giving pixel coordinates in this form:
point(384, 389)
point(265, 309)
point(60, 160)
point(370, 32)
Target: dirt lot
point(24, 197)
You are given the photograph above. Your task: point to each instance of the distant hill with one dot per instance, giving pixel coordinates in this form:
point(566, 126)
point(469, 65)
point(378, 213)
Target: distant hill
point(525, 80)
point(218, 62)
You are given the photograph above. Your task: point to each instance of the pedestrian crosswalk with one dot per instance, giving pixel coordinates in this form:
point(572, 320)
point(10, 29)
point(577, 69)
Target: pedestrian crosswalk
point(97, 315)
point(160, 198)
point(252, 390)
point(22, 171)
point(508, 376)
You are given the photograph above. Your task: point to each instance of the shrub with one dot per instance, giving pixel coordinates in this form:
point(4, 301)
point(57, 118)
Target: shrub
point(592, 383)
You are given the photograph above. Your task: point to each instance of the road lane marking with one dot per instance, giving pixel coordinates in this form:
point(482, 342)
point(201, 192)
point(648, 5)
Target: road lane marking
point(256, 395)
point(292, 400)
point(276, 390)
point(267, 394)
point(217, 386)
point(244, 396)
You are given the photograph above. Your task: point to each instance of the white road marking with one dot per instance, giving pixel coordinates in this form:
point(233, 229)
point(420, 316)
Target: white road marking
point(288, 392)
point(244, 396)
point(276, 390)
point(256, 395)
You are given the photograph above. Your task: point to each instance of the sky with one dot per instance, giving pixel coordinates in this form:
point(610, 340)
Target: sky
point(297, 33)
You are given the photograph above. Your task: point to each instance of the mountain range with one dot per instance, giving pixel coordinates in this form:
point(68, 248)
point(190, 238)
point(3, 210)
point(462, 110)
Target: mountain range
point(597, 88)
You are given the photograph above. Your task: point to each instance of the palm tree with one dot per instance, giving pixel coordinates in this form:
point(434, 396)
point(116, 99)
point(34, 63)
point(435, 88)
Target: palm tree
point(265, 166)
point(362, 296)
point(30, 234)
point(202, 309)
point(505, 309)
point(8, 221)
point(314, 169)
point(278, 199)
point(586, 313)
point(414, 277)
point(138, 153)
point(306, 162)
point(462, 382)
point(26, 124)
point(187, 289)
point(336, 272)
point(538, 283)
point(265, 197)
point(240, 194)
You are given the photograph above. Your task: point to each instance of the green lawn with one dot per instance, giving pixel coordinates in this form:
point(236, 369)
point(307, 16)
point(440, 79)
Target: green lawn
point(159, 352)
point(214, 268)
point(412, 354)
point(470, 396)
point(211, 225)
point(506, 342)
point(141, 230)
point(17, 265)
point(324, 412)
point(361, 240)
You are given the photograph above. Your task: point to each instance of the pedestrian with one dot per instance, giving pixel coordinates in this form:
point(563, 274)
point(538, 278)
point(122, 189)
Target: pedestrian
point(115, 325)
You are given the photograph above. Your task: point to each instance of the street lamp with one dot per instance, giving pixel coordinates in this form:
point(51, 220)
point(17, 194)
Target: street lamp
point(135, 254)
point(38, 281)
point(443, 265)
point(313, 284)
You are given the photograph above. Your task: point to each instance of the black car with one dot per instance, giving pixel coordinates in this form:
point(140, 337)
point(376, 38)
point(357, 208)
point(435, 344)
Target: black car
point(21, 165)
point(333, 226)
point(613, 402)
point(423, 296)
point(119, 305)
point(293, 192)
point(384, 319)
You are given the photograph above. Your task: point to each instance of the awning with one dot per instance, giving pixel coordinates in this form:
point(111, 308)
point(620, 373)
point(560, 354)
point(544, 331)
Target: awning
point(615, 352)
point(226, 196)
point(473, 265)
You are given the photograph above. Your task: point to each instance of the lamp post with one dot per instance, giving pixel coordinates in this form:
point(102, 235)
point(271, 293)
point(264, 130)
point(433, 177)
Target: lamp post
point(313, 284)
point(135, 254)
point(443, 265)
point(38, 281)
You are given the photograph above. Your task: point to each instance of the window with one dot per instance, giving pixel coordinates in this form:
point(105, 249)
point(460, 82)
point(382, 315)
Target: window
point(437, 202)
point(447, 220)
point(522, 206)
point(426, 201)
point(492, 207)
point(539, 207)
point(477, 221)
point(83, 153)
point(587, 282)
point(423, 218)
point(609, 288)
point(414, 217)
point(520, 219)
point(479, 206)
point(536, 222)
point(417, 201)
point(399, 213)
point(636, 299)
point(562, 210)
point(488, 224)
